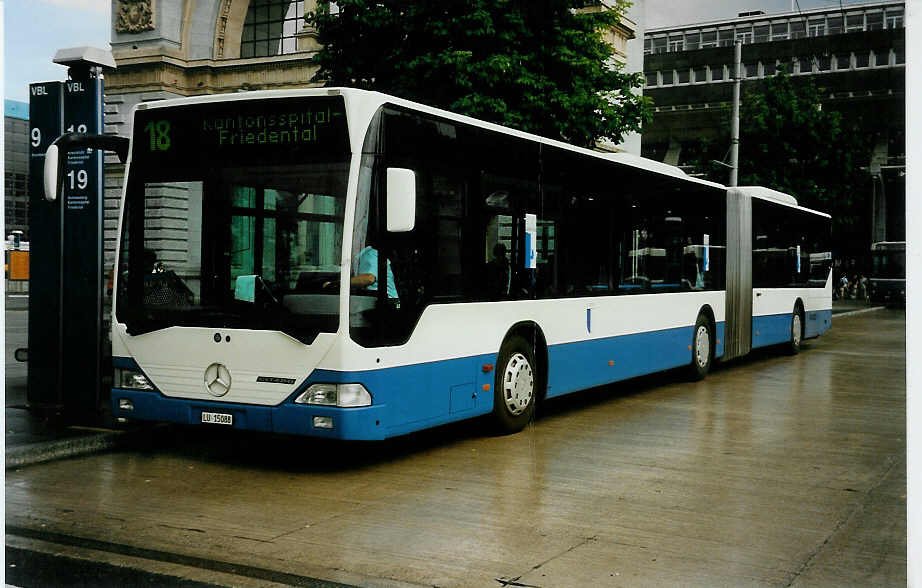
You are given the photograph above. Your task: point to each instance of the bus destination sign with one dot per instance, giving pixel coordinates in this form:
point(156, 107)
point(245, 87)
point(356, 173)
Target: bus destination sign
point(286, 130)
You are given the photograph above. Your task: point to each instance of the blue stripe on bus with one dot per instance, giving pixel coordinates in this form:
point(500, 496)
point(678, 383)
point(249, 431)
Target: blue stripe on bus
point(818, 322)
point(771, 329)
point(776, 328)
point(586, 364)
point(414, 397)
point(287, 418)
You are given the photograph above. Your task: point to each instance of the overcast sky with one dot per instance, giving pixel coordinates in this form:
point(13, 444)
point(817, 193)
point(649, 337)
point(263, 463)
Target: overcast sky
point(35, 29)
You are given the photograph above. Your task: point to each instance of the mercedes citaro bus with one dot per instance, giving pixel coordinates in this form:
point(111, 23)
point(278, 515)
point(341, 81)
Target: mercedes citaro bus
point(257, 228)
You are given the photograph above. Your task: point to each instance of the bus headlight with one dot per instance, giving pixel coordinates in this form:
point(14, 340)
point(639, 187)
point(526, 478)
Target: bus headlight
point(131, 380)
point(341, 395)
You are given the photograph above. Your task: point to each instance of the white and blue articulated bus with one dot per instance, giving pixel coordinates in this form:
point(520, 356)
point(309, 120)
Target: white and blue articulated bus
point(346, 264)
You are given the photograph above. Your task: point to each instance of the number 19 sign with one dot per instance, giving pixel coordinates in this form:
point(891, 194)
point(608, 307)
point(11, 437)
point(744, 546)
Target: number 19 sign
point(82, 234)
point(83, 168)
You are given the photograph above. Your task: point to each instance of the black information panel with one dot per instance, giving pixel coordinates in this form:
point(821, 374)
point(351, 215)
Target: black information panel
point(240, 132)
point(81, 202)
point(44, 380)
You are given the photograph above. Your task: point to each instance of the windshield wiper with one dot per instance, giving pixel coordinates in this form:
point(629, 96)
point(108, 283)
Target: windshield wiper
point(146, 319)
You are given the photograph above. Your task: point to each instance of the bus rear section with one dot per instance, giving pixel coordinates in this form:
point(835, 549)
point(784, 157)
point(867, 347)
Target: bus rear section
point(791, 270)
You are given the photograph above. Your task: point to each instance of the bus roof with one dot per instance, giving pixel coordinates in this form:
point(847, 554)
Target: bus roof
point(374, 100)
point(764, 193)
point(783, 198)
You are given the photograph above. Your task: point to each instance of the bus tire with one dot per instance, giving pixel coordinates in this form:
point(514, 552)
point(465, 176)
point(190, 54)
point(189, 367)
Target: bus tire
point(702, 348)
point(515, 391)
point(797, 331)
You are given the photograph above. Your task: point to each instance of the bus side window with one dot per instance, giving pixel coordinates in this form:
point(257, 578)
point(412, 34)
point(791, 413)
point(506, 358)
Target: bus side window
point(496, 280)
point(546, 274)
point(577, 239)
point(506, 197)
point(446, 211)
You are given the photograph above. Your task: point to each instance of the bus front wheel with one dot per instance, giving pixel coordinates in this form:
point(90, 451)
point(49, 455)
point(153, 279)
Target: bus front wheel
point(702, 348)
point(516, 387)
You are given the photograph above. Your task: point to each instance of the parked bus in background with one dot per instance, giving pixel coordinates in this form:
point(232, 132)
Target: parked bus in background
point(887, 284)
point(342, 263)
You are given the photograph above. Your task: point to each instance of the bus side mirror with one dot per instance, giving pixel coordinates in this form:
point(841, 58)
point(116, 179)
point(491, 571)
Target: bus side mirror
point(401, 200)
point(52, 174)
point(54, 160)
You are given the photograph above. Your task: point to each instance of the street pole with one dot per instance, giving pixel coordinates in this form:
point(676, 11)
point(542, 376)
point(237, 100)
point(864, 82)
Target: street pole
point(735, 122)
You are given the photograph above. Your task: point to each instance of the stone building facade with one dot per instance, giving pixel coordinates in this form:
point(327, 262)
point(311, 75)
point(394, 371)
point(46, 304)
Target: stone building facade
point(176, 48)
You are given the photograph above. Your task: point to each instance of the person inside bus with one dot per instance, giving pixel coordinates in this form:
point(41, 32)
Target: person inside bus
point(366, 277)
point(367, 273)
point(498, 277)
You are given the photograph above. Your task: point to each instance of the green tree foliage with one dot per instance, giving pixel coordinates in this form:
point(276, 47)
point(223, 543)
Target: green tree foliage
point(789, 142)
point(541, 66)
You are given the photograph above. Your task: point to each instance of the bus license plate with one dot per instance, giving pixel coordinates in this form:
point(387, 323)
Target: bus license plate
point(217, 418)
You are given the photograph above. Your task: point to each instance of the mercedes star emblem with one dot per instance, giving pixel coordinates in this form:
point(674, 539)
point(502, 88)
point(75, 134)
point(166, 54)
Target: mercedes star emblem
point(217, 379)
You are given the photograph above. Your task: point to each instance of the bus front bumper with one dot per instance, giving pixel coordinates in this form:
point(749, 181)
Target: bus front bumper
point(364, 424)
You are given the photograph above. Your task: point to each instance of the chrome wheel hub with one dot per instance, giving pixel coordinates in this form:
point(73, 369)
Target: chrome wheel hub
point(702, 346)
point(795, 329)
point(518, 384)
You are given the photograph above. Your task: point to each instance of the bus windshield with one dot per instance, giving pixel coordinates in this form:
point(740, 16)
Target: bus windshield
point(222, 231)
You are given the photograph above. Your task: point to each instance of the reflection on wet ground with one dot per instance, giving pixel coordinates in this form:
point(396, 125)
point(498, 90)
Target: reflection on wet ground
point(774, 470)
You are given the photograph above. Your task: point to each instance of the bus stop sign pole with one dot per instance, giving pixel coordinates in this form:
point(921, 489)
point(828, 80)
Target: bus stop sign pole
point(44, 387)
point(65, 304)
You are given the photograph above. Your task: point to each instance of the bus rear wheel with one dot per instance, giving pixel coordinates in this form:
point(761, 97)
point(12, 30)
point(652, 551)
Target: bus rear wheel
point(797, 331)
point(516, 388)
point(702, 348)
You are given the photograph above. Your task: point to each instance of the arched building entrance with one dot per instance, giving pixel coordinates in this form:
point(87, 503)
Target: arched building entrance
point(175, 48)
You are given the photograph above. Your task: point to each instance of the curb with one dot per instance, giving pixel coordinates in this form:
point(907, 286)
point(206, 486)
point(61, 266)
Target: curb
point(63, 448)
point(859, 311)
point(106, 440)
